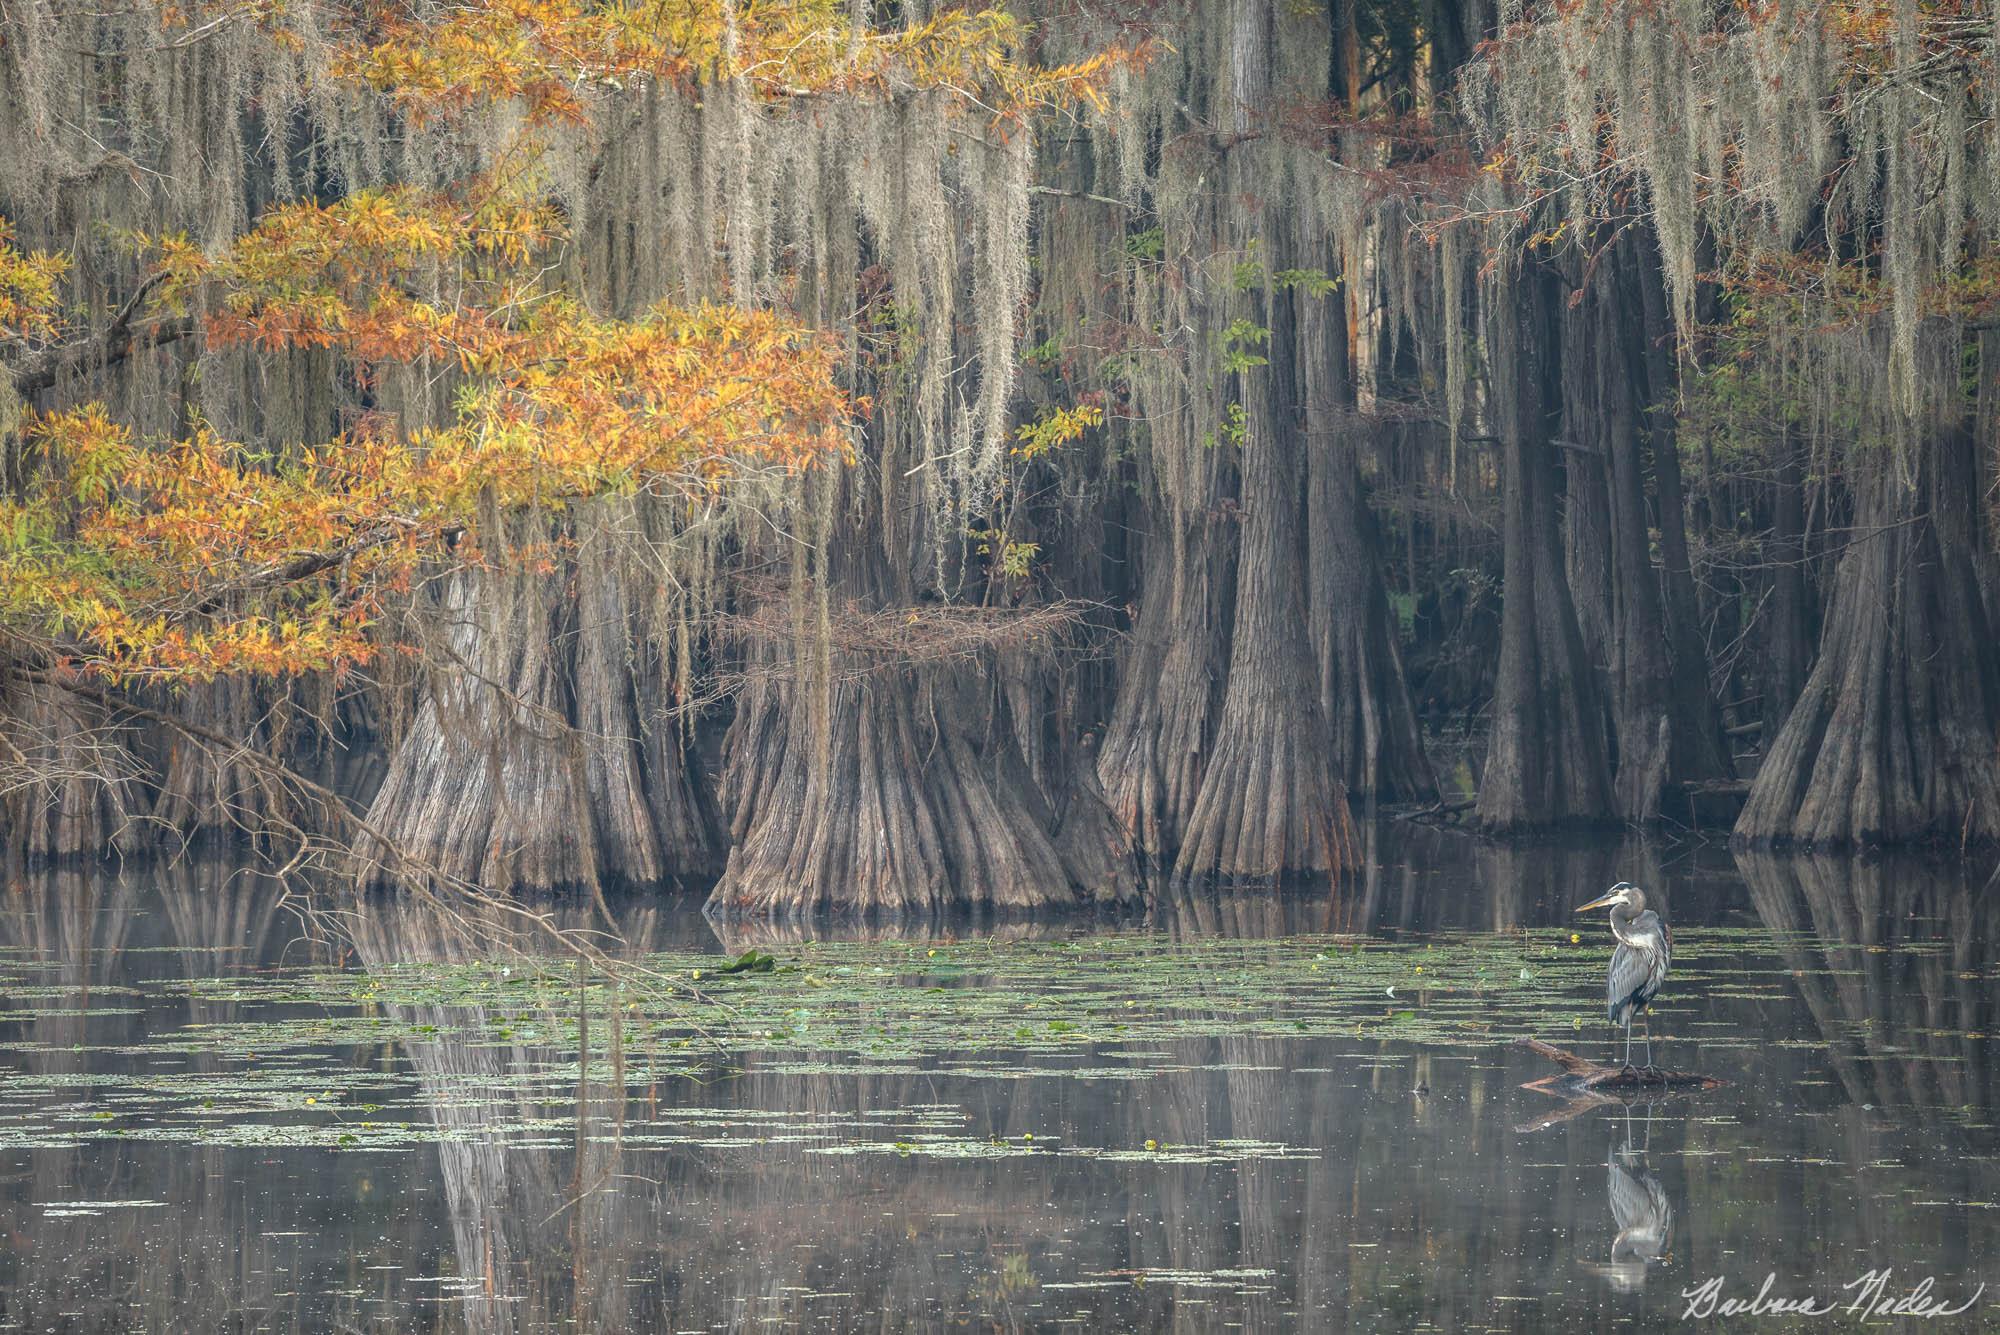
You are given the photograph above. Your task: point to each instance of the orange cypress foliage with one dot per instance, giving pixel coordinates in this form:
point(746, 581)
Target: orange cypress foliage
point(29, 298)
point(191, 558)
point(544, 52)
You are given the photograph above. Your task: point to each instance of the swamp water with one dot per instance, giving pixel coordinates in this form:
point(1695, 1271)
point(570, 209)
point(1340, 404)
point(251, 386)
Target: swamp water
point(1254, 1113)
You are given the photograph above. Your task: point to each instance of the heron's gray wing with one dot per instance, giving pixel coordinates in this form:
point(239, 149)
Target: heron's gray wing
point(1628, 975)
point(1652, 924)
point(1654, 928)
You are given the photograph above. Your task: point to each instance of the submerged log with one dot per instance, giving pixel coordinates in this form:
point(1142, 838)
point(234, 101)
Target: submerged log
point(1582, 1078)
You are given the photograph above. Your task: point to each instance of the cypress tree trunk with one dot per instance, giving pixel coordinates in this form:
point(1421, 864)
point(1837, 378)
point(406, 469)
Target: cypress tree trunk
point(1156, 749)
point(1546, 762)
point(1893, 738)
point(71, 790)
point(1986, 428)
point(1269, 805)
point(1640, 684)
point(865, 784)
point(1587, 561)
point(883, 797)
point(486, 787)
point(1789, 642)
point(1699, 749)
point(206, 791)
point(1636, 620)
point(528, 765)
point(1364, 693)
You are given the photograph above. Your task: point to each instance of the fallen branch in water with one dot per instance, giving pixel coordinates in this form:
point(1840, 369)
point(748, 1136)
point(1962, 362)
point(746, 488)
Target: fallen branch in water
point(1585, 1084)
point(1580, 1075)
point(1440, 810)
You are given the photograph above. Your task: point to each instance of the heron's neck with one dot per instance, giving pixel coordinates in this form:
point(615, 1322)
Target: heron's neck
point(1622, 918)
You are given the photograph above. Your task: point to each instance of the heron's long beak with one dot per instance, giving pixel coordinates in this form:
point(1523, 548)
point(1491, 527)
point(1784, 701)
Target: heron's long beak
point(1596, 903)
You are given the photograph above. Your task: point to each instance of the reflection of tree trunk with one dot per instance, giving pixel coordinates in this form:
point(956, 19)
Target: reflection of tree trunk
point(1892, 739)
point(1545, 761)
point(1257, 1083)
point(537, 1241)
point(1518, 877)
point(71, 1274)
point(222, 919)
point(1916, 1012)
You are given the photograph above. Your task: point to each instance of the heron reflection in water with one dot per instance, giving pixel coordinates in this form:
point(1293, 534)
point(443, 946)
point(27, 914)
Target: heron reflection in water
point(1641, 1211)
point(1639, 964)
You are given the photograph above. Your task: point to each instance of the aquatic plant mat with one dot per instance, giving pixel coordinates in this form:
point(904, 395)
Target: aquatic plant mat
point(309, 1057)
point(1227, 1117)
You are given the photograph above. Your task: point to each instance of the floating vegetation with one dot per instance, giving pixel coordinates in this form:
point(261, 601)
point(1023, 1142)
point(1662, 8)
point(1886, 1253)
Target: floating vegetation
point(296, 1058)
point(1127, 1130)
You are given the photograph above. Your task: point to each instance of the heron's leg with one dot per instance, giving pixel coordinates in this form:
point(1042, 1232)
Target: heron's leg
point(1628, 1038)
point(1649, 1038)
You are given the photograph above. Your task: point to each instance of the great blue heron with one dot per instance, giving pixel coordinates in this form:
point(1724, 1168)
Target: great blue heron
point(1639, 965)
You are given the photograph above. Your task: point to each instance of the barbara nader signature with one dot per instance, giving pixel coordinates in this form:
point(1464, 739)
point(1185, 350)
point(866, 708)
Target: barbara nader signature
point(1868, 1295)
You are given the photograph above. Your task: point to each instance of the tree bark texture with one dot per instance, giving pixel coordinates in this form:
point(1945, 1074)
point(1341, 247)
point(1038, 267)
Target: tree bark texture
point(886, 797)
point(864, 784)
point(72, 790)
point(1546, 758)
point(1269, 805)
point(1788, 661)
point(1156, 748)
point(1893, 738)
point(1664, 724)
point(206, 791)
point(531, 763)
point(1364, 692)
point(1699, 749)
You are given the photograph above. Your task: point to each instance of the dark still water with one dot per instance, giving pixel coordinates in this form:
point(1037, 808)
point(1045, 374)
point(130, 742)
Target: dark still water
point(1244, 1113)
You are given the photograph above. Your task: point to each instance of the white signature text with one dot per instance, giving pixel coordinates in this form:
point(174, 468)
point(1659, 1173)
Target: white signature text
point(1870, 1295)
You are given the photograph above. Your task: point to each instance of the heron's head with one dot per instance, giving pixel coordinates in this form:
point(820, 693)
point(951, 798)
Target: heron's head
point(1622, 895)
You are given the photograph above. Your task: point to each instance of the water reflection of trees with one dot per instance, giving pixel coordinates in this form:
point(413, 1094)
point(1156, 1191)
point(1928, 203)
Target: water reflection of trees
point(546, 1225)
point(1894, 959)
point(1415, 1197)
point(800, 1229)
point(184, 1263)
point(65, 931)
